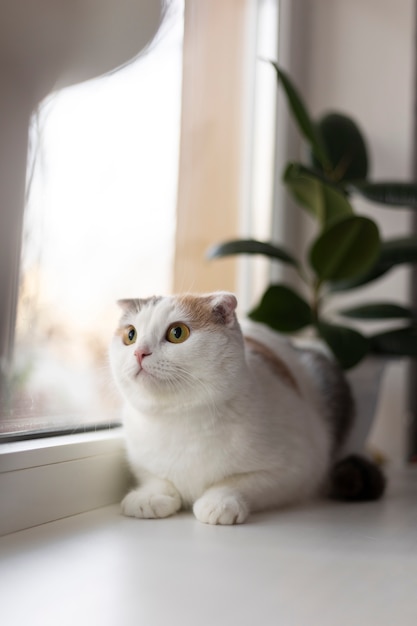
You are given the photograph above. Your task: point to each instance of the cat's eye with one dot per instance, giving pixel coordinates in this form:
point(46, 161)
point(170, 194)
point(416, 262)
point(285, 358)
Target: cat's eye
point(177, 333)
point(129, 335)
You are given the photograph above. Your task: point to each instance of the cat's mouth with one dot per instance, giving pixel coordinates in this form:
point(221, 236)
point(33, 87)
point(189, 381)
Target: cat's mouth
point(145, 378)
point(141, 372)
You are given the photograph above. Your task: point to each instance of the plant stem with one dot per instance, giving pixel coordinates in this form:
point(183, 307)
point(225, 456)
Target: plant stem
point(316, 300)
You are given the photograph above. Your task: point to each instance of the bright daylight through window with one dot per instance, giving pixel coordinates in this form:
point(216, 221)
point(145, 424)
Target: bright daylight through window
point(99, 225)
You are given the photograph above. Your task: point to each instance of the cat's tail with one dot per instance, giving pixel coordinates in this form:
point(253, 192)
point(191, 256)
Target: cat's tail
point(356, 479)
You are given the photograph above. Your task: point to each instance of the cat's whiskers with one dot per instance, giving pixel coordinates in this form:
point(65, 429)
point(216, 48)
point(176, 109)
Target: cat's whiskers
point(180, 381)
point(184, 375)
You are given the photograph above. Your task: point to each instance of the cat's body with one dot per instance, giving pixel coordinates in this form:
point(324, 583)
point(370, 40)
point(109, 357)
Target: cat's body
point(220, 423)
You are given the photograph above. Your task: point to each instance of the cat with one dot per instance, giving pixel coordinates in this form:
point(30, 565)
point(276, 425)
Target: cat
point(226, 417)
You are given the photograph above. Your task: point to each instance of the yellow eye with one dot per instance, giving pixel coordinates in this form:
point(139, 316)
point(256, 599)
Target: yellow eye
point(177, 333)
point(129, 335)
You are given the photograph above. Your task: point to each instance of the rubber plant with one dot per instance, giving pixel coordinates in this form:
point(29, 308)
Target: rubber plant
point(347, 251)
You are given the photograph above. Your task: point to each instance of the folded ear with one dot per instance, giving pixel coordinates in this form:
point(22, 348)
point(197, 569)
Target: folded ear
point(224, 306)
point(126, 304)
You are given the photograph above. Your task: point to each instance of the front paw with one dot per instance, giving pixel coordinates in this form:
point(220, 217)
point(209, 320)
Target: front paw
point(141, 503)
point(220, 507)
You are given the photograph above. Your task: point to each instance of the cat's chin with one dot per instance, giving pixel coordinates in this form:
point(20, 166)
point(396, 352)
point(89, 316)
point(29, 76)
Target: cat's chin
point(143, 380)
point(147, 384)
point(150, 393)
point(143, 376)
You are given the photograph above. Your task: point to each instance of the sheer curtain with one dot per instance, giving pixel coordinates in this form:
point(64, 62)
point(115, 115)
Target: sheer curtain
point(45, 44)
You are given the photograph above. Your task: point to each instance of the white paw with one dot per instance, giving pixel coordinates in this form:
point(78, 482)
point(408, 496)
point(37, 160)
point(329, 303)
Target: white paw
point(141, 503)
point(217, 507)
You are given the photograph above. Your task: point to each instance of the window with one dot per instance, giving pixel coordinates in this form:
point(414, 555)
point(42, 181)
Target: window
point(71, 333)
point(102, 218)
point(99, 225)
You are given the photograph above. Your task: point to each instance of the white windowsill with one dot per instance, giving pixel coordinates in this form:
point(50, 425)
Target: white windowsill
point(42, 480)
point(46, 450)
point(324, 564)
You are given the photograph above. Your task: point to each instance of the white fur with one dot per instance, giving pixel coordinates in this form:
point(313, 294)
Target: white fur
point(210, 425)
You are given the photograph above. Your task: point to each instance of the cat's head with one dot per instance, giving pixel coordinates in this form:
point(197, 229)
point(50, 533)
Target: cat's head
point(181, 349)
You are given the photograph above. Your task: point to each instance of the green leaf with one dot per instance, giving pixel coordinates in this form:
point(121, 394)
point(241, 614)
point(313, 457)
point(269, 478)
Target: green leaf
point(345, 146)
point(393, 194)
point(324, 201)
point(398, 342)
point(379, 311)
point(346, 249)
point(363, 279)
point(282, 309)
point(250, 246)
point(393, 252)
point(302, 117)
point(398, 251)
point(348, 345)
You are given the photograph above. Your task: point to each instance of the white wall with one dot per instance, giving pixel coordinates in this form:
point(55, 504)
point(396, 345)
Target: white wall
point(361, 61)
point(358, 57)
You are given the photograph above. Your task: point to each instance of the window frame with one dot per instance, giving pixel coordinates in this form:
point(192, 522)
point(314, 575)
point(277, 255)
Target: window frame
point(210, 190)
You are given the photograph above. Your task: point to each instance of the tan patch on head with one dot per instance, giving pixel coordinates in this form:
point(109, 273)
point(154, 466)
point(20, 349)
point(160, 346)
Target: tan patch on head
point(278, 366)
point(198, 309)
point(214, 309)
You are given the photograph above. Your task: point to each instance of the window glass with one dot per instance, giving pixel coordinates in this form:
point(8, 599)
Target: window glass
point(99, 225)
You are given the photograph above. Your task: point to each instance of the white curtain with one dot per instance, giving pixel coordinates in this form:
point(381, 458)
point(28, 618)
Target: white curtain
point(46, 44)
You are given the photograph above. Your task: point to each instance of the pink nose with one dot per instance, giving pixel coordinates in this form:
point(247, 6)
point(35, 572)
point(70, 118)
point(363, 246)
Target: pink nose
point(140, 354)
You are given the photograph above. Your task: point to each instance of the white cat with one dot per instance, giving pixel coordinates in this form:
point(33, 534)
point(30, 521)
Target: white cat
point(219, 421)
